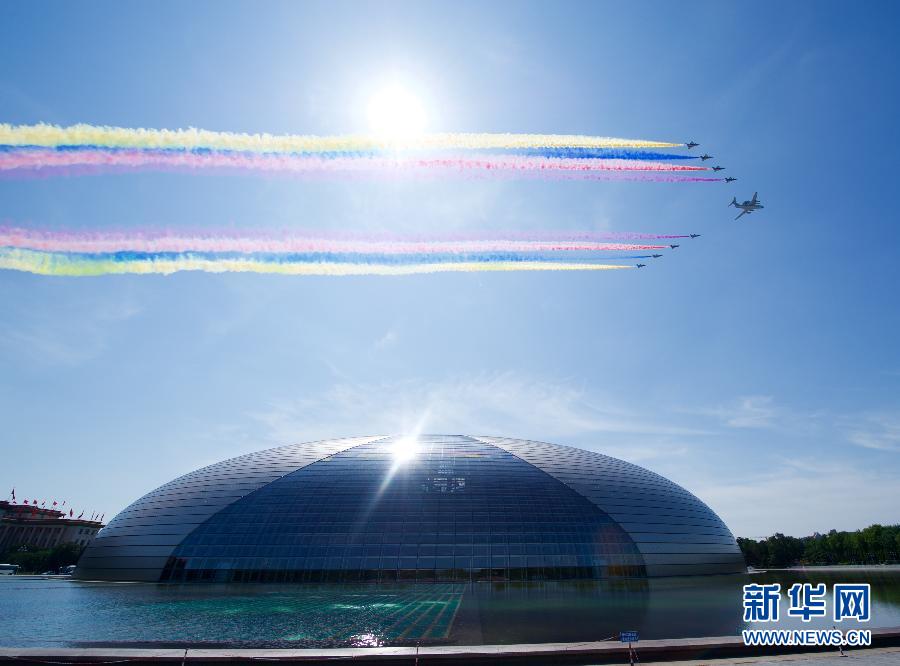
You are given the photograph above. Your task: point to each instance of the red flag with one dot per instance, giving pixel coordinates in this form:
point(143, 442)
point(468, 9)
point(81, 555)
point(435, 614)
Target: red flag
point(80, 515)
point(64, 503)
point(43, 504)
point(34, 501)
point(14, 494)
point(101, 517)
point(54, 503)
point(70, 513)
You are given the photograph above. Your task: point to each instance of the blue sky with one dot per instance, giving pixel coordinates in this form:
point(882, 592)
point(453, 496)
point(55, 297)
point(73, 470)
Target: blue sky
point(757, 365)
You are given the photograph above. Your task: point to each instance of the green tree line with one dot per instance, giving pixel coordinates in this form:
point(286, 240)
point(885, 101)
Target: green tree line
point(36, 561)
point(876, 544)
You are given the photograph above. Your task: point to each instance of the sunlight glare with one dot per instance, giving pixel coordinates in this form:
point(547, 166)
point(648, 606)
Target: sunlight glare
point(396, 113)
point(405, 449)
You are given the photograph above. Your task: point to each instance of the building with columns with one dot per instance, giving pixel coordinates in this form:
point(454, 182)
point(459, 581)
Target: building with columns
point(26, 525)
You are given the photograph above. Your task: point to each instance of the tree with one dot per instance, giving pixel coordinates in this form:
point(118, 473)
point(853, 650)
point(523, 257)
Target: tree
point(876, 544)
point(47, 559)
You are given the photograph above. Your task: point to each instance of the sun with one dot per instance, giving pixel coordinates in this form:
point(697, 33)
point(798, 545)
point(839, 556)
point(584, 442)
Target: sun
point(405, 449)
point(396, 113)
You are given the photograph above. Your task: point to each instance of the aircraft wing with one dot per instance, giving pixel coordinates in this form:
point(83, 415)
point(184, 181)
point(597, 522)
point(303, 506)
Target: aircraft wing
point(743, 212)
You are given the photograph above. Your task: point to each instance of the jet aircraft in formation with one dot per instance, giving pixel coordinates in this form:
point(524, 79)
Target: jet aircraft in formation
point(747, 206)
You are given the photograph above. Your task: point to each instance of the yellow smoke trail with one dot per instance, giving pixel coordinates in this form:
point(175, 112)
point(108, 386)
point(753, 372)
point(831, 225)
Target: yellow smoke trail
point(123, 137)
point(49, 263)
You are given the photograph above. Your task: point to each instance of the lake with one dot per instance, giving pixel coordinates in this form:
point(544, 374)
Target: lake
point(68, 613)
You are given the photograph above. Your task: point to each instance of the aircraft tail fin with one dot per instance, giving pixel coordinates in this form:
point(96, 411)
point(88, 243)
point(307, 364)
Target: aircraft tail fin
point(733, 201)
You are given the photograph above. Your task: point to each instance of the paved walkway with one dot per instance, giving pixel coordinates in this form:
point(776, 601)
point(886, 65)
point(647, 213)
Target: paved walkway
point(889, 656)
point(669, 652)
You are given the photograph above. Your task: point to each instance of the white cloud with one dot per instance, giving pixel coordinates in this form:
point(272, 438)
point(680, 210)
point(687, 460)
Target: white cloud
point(504, 403)
point(800, 497)
point(386, 340)
point(876, 431)
point(66, 336)
point(751, 411)
point(756, 411)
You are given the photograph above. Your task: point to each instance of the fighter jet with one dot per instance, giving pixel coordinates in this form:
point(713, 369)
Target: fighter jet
point(674, 246)
point(640, 265)
point(747, 206)
point(691, 144)
point(705, 157)
point(730, 179)
point(718, 168)
point(656, 256)
point(695, 235)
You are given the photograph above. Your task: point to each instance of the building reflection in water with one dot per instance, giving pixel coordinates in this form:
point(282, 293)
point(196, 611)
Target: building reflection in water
point(572, 611)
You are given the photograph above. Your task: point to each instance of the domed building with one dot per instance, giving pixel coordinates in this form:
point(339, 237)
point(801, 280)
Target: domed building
point(432, 508)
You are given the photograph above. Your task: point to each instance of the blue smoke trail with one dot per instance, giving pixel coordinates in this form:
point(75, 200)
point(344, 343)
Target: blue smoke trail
point(349, 257)
point(598, 154)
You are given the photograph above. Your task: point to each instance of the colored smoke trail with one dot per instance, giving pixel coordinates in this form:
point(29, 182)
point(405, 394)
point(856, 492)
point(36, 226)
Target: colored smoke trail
point(539, 235)
point(41, 173)
point(96, 242)
point(31, 159)
point(598, 153)
point(42, 151)
point(567, 152)
point(122, 137)
point(45, 263)
point(340, 258)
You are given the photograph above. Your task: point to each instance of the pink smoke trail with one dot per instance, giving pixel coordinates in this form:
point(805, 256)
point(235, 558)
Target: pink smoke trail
point(141, 159)
point(43, 173)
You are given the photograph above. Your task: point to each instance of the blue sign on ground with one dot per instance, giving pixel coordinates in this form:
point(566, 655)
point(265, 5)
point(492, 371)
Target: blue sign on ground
point(628, 637)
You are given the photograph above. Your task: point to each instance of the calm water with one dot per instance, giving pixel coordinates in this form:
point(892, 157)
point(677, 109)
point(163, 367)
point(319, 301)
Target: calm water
point(59, 612)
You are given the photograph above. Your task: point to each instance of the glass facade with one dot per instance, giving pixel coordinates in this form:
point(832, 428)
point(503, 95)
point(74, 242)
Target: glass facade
point(137, 543)
point(455, 509)
point(448, 508)
point(676, 533)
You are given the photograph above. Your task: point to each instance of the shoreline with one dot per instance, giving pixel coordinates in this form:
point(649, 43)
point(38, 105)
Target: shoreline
point(835, 567)
point(575, 654)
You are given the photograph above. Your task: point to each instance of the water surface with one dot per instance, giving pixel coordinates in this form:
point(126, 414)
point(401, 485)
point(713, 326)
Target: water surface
point(68, 613)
